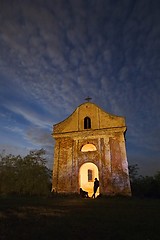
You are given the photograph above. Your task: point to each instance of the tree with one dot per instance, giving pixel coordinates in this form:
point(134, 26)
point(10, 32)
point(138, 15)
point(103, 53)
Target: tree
point(133, 172)
point(25, 175)
point(144, 186)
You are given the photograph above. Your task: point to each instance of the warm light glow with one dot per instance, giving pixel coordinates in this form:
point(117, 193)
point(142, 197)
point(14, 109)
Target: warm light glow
point(84, 182)
point(88, 148)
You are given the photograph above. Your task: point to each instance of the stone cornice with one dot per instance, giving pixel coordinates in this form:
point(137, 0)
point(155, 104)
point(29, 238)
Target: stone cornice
point(89, 132)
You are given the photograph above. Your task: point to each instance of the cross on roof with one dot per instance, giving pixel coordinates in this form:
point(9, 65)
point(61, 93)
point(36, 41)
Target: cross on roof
point(88, 99)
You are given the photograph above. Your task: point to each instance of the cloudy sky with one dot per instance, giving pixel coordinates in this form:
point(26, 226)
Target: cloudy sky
point(55, 53)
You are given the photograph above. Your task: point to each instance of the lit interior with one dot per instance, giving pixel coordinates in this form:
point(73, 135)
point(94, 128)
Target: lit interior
point(85, 183)
point(88, 148)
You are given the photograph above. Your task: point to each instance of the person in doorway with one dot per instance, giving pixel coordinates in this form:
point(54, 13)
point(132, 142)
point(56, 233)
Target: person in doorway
point(96, 186)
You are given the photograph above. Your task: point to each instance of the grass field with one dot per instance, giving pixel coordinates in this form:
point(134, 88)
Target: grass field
point(75, 218)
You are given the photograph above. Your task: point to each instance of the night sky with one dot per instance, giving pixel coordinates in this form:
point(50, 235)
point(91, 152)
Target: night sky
point(55, 53)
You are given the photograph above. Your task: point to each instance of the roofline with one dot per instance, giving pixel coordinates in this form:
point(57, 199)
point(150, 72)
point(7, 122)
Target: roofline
point(80, 106)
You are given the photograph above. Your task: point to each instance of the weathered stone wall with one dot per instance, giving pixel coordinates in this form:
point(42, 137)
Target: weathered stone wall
point(107, 135)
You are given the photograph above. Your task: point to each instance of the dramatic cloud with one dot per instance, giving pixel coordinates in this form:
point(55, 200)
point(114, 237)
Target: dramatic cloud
point(53, 54)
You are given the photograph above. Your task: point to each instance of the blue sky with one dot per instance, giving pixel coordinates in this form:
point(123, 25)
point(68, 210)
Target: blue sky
point(53, 54)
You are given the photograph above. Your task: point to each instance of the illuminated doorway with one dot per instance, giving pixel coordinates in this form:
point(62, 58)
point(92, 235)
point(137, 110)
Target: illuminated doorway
point(87, 173)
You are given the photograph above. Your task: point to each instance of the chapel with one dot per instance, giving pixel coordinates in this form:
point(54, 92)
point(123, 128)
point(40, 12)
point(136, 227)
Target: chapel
point(90, 144)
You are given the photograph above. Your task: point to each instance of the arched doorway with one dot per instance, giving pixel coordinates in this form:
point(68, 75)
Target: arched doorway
point(87, 173)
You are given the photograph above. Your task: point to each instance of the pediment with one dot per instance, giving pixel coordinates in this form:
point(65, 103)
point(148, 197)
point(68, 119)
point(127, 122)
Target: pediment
point(99, 119)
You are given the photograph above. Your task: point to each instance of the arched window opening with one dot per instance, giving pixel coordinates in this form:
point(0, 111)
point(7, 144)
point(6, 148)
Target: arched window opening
point(87, 123)
point(88, 148)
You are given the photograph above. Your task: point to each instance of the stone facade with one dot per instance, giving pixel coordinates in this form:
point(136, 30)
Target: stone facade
point(89, 127)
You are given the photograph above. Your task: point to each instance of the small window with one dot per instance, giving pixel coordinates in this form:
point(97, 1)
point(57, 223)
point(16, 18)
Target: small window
point(87, 123)
point(90, 175)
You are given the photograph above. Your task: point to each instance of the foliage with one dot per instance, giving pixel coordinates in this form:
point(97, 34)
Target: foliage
point(148, 186)
point(24, 175)
point(133, 172)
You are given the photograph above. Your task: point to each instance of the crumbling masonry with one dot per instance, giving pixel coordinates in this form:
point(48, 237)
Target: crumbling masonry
point(90, 143)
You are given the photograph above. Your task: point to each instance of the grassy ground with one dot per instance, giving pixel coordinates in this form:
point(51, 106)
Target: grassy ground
point(75, 218)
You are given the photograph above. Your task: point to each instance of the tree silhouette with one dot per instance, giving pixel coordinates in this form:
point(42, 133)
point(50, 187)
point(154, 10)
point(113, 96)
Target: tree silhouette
point(25, 175)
